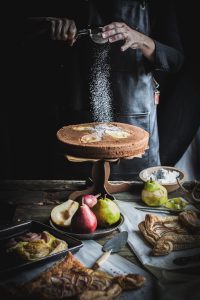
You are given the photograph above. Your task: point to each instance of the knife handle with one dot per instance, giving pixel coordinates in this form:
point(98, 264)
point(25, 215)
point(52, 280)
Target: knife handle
point(101, 260)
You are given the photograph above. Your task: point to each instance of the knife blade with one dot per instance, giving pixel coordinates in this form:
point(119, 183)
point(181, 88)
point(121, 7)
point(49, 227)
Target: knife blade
point(185, 260)
point(111, 246)
point(160, 210)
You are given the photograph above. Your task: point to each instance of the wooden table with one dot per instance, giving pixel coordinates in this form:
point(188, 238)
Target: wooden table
point(34, 199)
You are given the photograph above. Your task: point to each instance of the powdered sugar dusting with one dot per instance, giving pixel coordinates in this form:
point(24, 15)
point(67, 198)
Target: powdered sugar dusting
point(103, 129)
point(100, 91)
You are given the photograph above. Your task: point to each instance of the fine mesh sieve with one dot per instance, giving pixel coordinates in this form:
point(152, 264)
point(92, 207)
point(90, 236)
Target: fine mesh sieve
point(95, 34)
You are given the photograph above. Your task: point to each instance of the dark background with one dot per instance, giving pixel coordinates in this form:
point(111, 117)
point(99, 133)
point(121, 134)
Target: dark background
point(31, 105)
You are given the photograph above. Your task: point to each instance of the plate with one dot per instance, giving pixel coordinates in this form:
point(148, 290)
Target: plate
point(10, 265)
point(99, 233)
point(164, 209)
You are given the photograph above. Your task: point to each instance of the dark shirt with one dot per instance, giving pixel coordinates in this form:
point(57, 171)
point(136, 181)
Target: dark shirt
point(162, 27)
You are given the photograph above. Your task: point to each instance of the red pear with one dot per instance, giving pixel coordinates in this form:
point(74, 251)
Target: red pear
point(84, 220)
point(90, 200)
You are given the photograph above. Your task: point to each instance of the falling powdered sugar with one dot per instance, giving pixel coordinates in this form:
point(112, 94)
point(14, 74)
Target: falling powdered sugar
point(100, 91)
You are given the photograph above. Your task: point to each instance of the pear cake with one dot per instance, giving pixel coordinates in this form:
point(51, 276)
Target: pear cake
point(103, 140)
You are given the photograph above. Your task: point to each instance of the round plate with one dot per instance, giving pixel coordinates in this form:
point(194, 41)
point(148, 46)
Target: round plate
point(99, 233)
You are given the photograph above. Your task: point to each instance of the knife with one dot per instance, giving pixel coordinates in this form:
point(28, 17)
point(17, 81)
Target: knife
point(160, 210)
point(184, 260)
point(111, 246)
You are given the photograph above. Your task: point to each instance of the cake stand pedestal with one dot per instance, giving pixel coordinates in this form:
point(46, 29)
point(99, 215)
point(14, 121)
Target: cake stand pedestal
point(100, 176)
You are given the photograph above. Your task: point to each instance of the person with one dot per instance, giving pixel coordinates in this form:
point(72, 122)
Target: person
point(142, 38)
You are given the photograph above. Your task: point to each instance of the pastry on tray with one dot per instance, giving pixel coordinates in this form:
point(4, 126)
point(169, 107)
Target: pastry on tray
point(167, 234)
point(33, 246)
point(70, 279)
point(103, 140)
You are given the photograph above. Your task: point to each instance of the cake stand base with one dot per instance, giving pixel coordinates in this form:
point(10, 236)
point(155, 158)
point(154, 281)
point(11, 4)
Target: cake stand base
point(100, 184)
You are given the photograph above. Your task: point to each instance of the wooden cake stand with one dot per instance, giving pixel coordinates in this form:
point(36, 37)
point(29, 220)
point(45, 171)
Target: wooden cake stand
point(100, 176)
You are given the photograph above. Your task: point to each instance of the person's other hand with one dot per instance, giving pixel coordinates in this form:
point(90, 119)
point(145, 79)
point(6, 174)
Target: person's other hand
point(117, 31)
point(63, 30)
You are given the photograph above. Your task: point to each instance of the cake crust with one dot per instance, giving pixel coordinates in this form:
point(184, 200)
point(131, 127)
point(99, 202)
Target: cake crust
point(103, 140)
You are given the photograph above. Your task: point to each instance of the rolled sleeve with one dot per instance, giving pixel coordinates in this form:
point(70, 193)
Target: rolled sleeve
point(168, 47)
point(167, 58)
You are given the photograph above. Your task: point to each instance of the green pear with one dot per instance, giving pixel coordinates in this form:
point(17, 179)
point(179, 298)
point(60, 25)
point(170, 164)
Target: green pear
point(154, 194)
point(106, 212)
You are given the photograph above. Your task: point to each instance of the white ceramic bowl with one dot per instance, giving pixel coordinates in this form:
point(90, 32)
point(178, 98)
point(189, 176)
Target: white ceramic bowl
point(172, 186)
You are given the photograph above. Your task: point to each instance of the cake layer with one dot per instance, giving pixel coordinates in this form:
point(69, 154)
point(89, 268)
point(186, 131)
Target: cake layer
point(103, 140)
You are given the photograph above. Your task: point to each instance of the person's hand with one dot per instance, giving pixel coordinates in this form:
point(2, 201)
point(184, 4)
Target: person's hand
point(134, 39)
point(63, 30)
point(117, 31)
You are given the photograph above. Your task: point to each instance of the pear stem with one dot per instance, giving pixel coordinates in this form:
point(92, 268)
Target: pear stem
point(82, 203)
point(98, 195)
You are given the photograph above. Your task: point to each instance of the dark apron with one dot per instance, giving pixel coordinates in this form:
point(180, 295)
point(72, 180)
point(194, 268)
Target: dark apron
point(132, 83)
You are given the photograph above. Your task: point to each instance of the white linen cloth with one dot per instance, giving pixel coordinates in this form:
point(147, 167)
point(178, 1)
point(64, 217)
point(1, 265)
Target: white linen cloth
point(175, 282)
point(117, 265)
point(142, 248)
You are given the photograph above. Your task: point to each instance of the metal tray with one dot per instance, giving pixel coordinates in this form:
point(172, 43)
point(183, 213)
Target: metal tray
point(10, 266)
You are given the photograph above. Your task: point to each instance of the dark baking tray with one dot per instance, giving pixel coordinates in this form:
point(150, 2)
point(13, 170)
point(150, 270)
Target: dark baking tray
point(9, 266)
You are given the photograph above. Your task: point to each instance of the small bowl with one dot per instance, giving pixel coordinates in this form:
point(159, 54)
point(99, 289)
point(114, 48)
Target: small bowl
point(171, 187)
